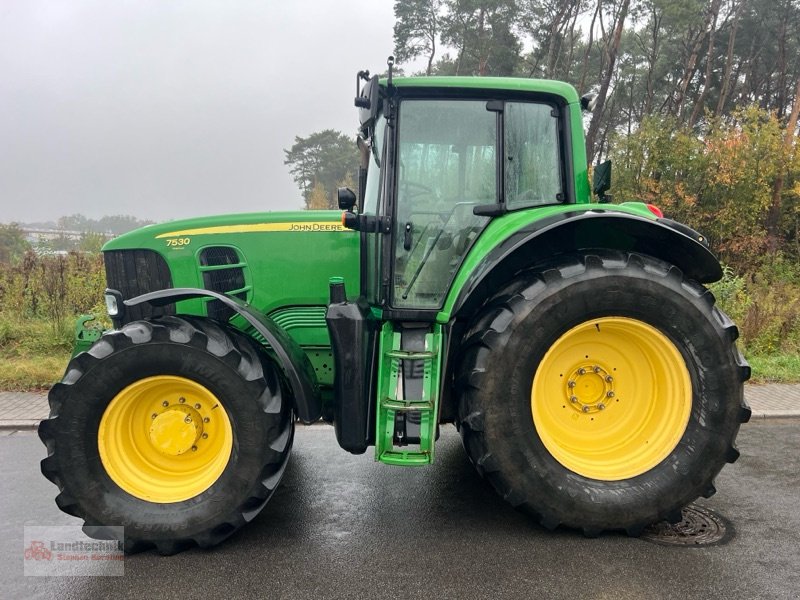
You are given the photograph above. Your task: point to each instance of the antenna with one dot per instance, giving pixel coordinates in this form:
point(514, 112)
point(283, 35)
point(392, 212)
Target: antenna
point(390, 62)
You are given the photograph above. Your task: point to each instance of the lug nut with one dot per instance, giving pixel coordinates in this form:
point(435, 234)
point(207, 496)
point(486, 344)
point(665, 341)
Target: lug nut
point(601, 406)
point(596, 369)
point(181, 400)
point(194, 448)
point(188, 419)
point(197, 406)
point(585, 409)
point(205, 436)
point(609, 378)
point(581, 371)
point(153, 416)
point(610, 394)
point(571, 384)
point(573, 399)
point(165, 403)
point(206, 420)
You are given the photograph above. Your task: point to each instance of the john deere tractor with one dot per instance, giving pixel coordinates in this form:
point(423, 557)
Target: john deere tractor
point(474, 279)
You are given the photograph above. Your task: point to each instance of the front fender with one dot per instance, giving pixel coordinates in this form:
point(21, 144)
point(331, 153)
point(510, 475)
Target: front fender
point(293, 361)
point(573, 231)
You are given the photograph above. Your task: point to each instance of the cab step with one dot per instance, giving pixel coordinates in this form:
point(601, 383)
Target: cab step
point(395, 410)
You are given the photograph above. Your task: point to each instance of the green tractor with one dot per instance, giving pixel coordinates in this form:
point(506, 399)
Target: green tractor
point(471, 280)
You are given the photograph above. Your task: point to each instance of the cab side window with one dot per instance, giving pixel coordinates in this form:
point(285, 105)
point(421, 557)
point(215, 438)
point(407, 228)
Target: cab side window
point(532, 164)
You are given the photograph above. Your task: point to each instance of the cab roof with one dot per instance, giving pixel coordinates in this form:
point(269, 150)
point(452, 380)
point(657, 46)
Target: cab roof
point(515, 84)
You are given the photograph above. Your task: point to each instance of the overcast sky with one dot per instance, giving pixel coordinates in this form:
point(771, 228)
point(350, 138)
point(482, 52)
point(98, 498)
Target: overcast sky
point(163, 109)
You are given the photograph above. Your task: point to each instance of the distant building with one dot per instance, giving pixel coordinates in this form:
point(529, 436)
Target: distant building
point(56, 241)
point(38, 236)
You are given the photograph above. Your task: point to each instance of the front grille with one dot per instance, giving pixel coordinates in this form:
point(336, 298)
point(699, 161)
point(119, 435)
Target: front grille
point(229, 280)
point(136, 272)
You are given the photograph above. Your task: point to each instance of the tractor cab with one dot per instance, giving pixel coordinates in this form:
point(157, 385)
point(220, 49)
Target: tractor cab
point(437, 163)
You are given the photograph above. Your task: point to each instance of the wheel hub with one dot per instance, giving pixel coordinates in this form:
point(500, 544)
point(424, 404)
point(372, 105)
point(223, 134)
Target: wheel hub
point(176, 430)
point(590, 388)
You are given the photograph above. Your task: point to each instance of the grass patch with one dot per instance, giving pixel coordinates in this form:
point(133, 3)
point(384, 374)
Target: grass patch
point(775, 368)
point(31, 374)
point(32, 354)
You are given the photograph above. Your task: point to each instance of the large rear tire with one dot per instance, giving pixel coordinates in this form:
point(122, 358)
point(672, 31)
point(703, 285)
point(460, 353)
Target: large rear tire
point(602, 393)
point(176, 429)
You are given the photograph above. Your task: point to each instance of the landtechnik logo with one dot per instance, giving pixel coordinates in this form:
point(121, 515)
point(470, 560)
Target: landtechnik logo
point(67, 551)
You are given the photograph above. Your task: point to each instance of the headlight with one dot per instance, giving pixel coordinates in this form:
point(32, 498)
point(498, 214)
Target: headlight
point(114, 304)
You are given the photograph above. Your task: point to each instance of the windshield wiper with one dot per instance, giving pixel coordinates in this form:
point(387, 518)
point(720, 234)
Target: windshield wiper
point(431, 247)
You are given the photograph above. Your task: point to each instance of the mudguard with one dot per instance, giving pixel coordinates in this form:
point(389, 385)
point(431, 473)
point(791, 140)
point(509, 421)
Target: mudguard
point(575, 231)
point(293, 361)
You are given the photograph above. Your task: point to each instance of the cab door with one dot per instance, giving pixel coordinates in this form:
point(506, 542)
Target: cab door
point(446, 165)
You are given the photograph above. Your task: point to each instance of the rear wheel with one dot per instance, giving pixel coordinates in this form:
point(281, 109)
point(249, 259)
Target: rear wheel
point(176, 429)
point(602, 393)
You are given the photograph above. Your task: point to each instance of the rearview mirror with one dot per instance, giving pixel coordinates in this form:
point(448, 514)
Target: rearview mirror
point(602, 181)
point(588, 102)
point(367, 100)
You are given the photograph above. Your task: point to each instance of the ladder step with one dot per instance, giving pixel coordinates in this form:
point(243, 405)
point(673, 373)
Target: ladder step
point(405, 459)
point(407, 405)
point(404, 355)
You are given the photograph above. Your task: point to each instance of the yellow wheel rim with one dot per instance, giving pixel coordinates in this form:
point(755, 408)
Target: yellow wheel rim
point(611, 398)
point(165, 439)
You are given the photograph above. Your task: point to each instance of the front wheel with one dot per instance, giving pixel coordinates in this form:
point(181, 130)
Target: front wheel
point(604, 392)
point(176, 429)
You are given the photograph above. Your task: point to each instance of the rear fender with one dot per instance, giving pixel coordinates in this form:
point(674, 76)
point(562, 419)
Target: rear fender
point(294, 363)
point(571, 232)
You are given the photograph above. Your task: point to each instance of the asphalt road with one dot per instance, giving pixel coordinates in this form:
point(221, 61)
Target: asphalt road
point(342, 526)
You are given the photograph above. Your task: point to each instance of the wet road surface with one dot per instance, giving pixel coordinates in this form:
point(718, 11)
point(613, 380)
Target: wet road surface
point(342, 526)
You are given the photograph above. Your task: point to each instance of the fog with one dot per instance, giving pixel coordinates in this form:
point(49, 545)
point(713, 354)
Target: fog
point(165, 109)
